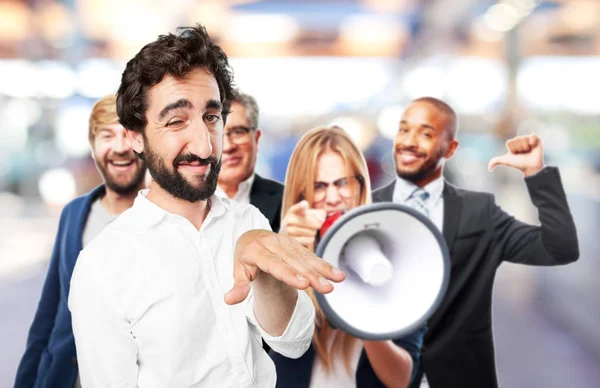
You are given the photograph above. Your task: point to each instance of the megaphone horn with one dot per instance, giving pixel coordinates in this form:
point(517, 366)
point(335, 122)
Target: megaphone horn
point(397, 266)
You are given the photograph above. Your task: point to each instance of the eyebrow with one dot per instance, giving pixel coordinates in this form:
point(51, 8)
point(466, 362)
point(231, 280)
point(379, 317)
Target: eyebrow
point(421, 125)
point(185, 103)
point(181, 103)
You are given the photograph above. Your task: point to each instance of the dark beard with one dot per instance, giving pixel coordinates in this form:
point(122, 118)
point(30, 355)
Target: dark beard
point(175, 184)
point(122, 189)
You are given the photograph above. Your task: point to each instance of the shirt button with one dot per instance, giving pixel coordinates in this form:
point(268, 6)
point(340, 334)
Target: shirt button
point(74, 361)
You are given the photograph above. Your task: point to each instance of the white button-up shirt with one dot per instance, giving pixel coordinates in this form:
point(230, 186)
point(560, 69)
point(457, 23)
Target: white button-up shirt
point(243, 193)
point(148, 310)
point(434, 204)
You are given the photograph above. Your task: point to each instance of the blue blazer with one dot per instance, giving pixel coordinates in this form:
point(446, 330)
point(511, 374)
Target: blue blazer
point(50, 356)
point(296, 373)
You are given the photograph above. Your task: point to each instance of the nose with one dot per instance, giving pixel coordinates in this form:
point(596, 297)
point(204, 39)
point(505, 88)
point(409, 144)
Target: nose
point(332, 196)
point(228, 145)
point(408, 140)
point(121, 144)
point(199, 141)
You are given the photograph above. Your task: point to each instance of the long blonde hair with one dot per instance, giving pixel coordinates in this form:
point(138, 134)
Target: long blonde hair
point(299, 179)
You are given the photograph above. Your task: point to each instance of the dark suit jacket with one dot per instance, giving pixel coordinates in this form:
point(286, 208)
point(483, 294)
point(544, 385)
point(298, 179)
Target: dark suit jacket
point(296, 373)
point(50, 356)
point(458, 349)
point(267, 195)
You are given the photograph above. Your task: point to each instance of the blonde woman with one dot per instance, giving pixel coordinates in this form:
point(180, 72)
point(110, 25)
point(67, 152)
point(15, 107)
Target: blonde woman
point(327, 173)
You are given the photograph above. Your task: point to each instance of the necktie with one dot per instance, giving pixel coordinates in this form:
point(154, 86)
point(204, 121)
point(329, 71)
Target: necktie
point(417, 201)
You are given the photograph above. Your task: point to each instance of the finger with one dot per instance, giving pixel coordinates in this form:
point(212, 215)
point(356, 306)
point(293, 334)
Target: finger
point(242, 277)
point(533, 140)
point(297, 256)
point(273, 265)
point(306, 242)
point(524, 145)
point(498, 161)
point(304, 221)
point(514, 145)
point(298, 231)
point(322, 267)
point(299, 208)
point(238, 293)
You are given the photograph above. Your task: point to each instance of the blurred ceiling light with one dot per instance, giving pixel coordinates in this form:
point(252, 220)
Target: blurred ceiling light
point(267, 28)
point(483, 32)
point(130, 22)
point(372, 35)
point(16, 116)
point(54, 20)
point(57, 187)
point(371, 28)
point(560, 83)
point(389, 121)
point(362, 134)
point(15, 21)
point(501, 17)
point(18, 78)
point(476, 85)
point(388, 5)
point(55, 79)
point(98, 77)
point(428, 79)
point(71, 129)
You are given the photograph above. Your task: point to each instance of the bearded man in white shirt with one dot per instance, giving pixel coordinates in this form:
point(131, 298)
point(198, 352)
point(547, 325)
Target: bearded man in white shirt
point(153, 299)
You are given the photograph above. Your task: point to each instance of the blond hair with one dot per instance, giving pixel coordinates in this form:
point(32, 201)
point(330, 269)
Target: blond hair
point(103, 113)
point(299, 178)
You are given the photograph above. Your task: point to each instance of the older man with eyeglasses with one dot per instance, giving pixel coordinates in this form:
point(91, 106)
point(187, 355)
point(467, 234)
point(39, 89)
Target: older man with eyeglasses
point(237, 179)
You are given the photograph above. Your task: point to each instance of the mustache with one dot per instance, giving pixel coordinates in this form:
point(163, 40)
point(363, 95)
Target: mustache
point(189, 158)
point(412, 150)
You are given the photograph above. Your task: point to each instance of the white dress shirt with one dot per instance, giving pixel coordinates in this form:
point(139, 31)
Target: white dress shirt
point(147, 304)
point(434, 204)
point(243, 193)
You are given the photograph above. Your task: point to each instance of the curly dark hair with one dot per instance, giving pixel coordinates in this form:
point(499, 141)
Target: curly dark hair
point(174, 55)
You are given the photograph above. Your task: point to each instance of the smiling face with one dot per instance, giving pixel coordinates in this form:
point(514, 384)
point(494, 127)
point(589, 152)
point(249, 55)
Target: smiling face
point(122, 171)
point(183, 139)
point(422, 143)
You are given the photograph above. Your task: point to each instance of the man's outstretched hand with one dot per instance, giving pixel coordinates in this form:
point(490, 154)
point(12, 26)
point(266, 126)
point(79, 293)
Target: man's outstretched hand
point(283, 258)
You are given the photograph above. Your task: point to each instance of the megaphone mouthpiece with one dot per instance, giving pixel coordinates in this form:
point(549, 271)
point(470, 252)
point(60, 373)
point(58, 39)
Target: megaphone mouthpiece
point(363, 255)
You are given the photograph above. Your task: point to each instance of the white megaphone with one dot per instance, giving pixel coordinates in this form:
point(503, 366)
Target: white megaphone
point(397, 270)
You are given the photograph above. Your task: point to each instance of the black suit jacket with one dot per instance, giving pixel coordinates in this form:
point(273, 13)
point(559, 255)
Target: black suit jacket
point(458, 349)
point(267, 195)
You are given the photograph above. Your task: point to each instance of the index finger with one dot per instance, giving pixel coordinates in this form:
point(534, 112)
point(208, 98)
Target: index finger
point(299, 208)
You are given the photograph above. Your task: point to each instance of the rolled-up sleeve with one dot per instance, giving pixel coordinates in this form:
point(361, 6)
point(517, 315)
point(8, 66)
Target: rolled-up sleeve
point(296, 338)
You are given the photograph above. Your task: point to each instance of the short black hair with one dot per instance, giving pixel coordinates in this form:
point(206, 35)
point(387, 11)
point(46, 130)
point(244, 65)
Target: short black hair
point(452, 127)
point(175, 55)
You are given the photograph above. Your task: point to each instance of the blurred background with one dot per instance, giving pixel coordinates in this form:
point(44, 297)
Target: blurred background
point(508, 67)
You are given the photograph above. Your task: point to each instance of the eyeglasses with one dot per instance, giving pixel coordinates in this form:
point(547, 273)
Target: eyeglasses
point(239, 135)
point(346, 187)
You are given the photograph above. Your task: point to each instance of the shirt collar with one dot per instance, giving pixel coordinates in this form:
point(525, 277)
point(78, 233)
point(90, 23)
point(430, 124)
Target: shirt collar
point(151, 214)
point(244, 188)
point(403, 189)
